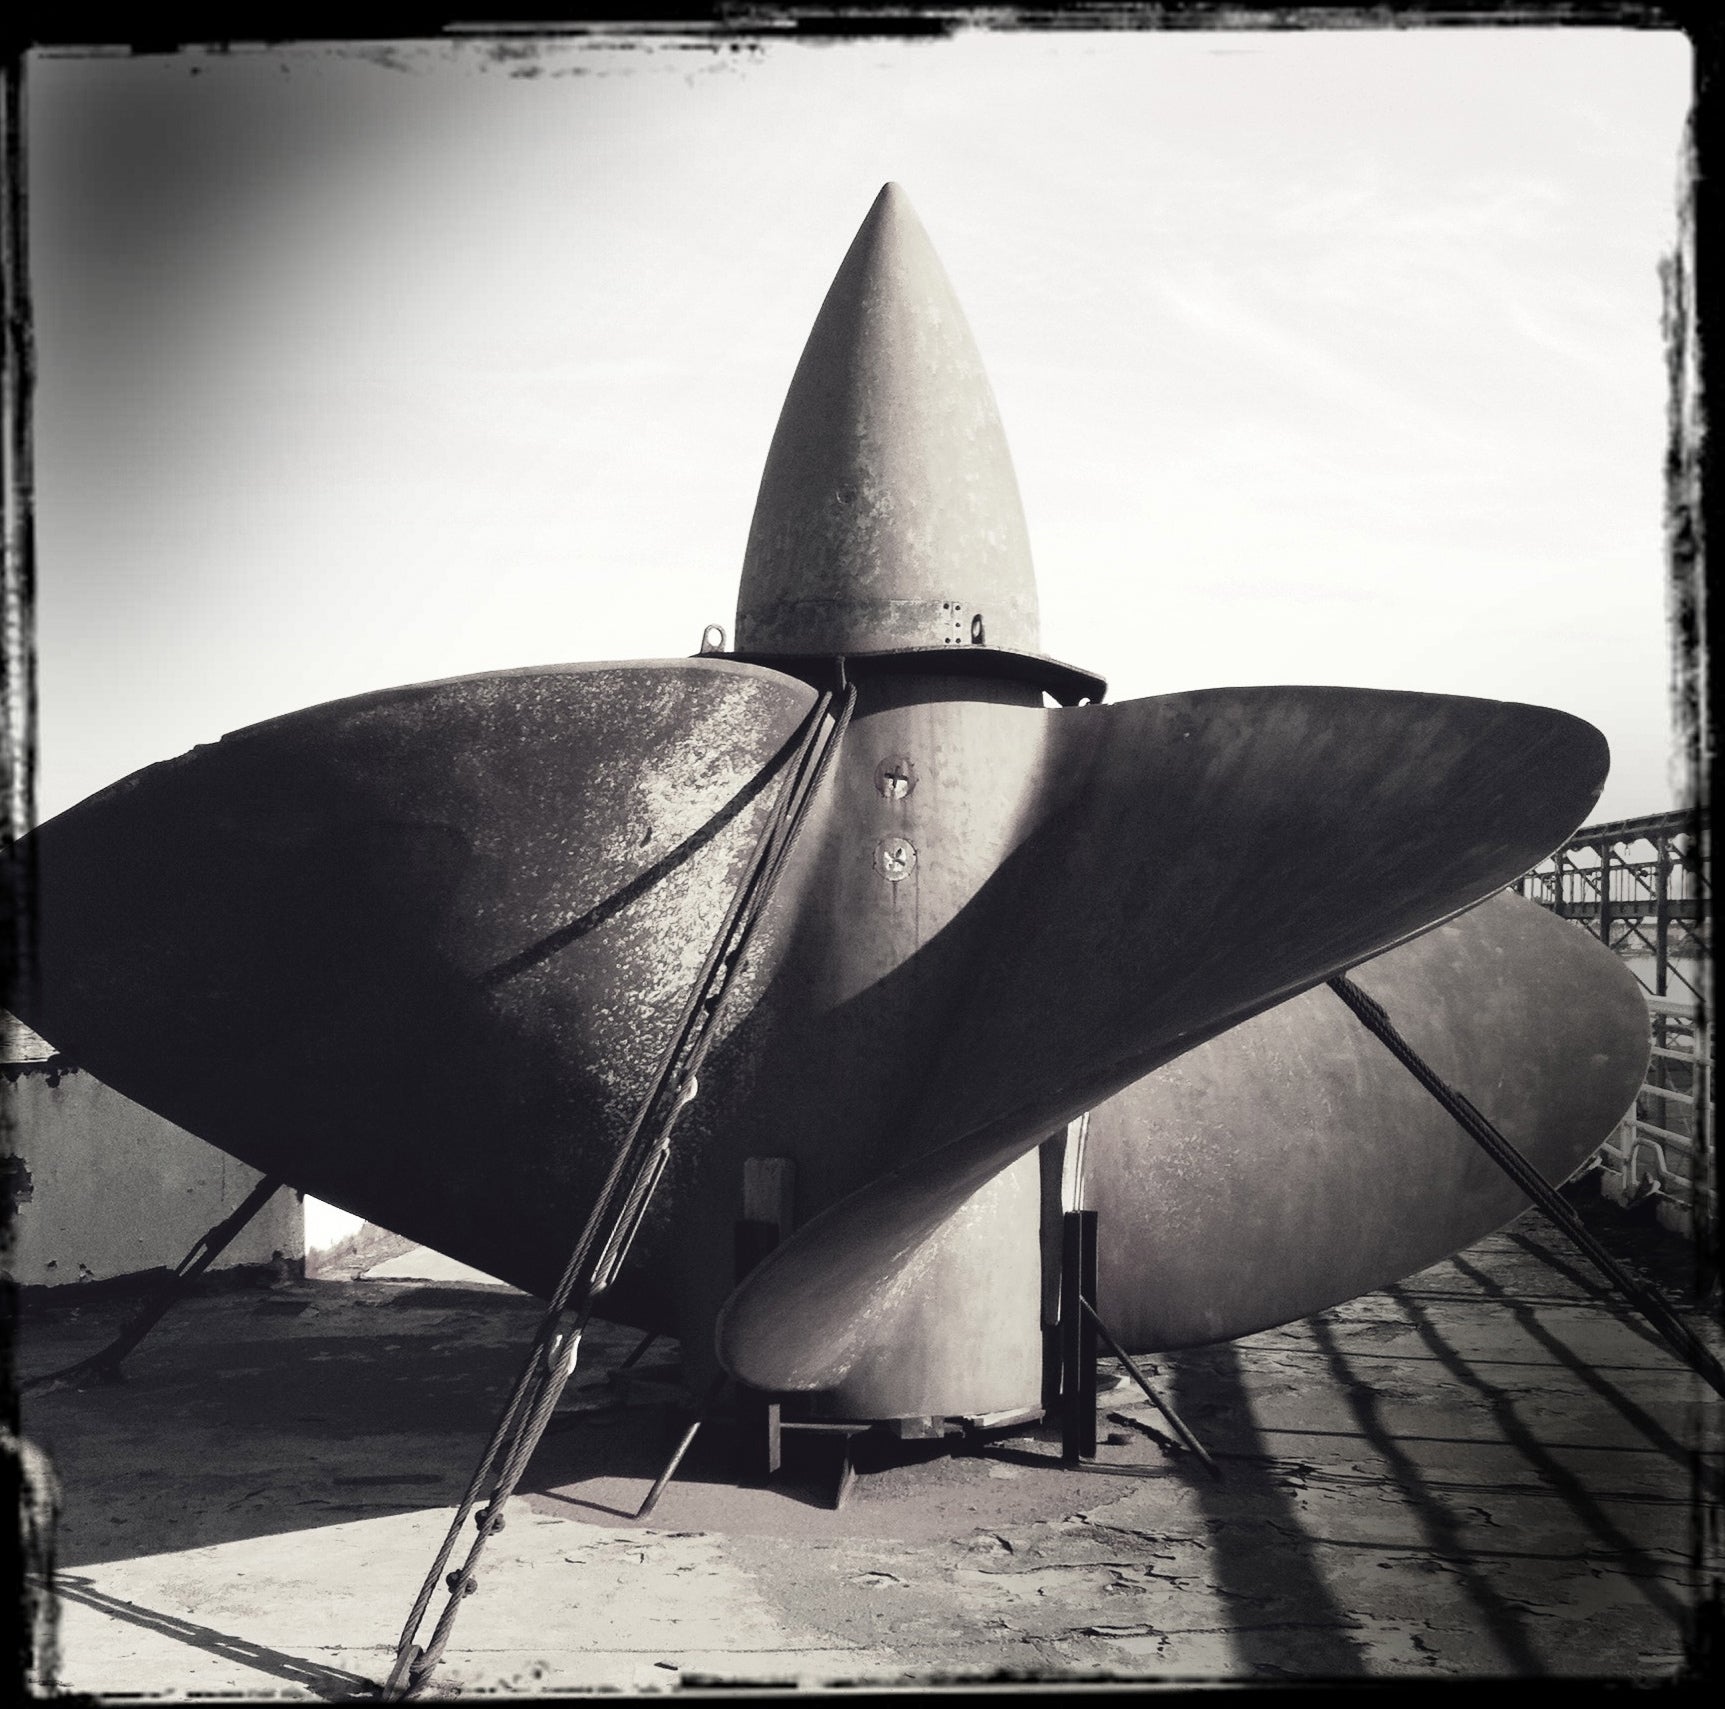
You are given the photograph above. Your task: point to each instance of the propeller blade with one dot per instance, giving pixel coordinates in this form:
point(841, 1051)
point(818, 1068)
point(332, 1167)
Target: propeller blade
point(1293, 1163)
point(1186, 862)
point(417, 951)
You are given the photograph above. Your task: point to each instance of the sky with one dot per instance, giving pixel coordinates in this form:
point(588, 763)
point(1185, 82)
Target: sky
point(1325, 357)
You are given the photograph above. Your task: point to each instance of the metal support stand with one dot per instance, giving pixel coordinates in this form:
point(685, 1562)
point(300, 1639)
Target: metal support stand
point(105, 1365)
point(635, 1353)
point(1080, 1325)
point(1077, 1337)
point(1676, 1334)
point(684, 1443)
point(768, 1185)
point(759, 1415)
point(1175, 1421)
point(1051, 1169)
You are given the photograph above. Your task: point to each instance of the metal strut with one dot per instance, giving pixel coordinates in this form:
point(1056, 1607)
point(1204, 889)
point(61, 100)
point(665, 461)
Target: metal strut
point(105, 1365)
point(1175, 1421)
point(1676, 1334)
point(702, 1413)
point(622, 1201)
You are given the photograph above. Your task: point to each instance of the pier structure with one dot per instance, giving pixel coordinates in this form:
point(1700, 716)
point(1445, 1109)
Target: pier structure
point(1642, 885)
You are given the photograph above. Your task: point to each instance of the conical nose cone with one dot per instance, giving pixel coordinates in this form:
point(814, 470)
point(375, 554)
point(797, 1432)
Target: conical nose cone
point(888, 513)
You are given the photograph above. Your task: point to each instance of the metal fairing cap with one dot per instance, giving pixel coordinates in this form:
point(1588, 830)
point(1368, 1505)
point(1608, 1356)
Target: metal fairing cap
point(418, 952)
point(888, 515)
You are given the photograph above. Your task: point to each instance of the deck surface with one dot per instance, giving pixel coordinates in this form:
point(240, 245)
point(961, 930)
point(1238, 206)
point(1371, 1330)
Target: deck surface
point(1488, 1471)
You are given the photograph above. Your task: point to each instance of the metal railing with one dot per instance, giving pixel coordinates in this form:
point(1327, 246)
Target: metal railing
point(1642, 887)
point(1662, 1149)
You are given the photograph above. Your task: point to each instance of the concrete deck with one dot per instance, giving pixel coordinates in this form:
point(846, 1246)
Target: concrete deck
point(1487, 1471)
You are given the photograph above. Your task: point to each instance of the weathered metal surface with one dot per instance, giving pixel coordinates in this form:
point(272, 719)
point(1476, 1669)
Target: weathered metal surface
point(1066, 684)
point(417, 951)
point(1293, 1163)
point(853, 980)
point(1175, 866)
point(888, 513)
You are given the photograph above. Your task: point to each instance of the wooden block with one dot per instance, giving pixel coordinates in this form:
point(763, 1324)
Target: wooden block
point(919, 1429)
point(1004, 1420)
point(751, 1242)
point(847, 1476)
point(769, 1192)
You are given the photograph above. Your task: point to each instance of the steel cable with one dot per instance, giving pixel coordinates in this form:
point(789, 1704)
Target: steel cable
point(1676, 1334)
point(551, 1357)
point(533, 1365)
